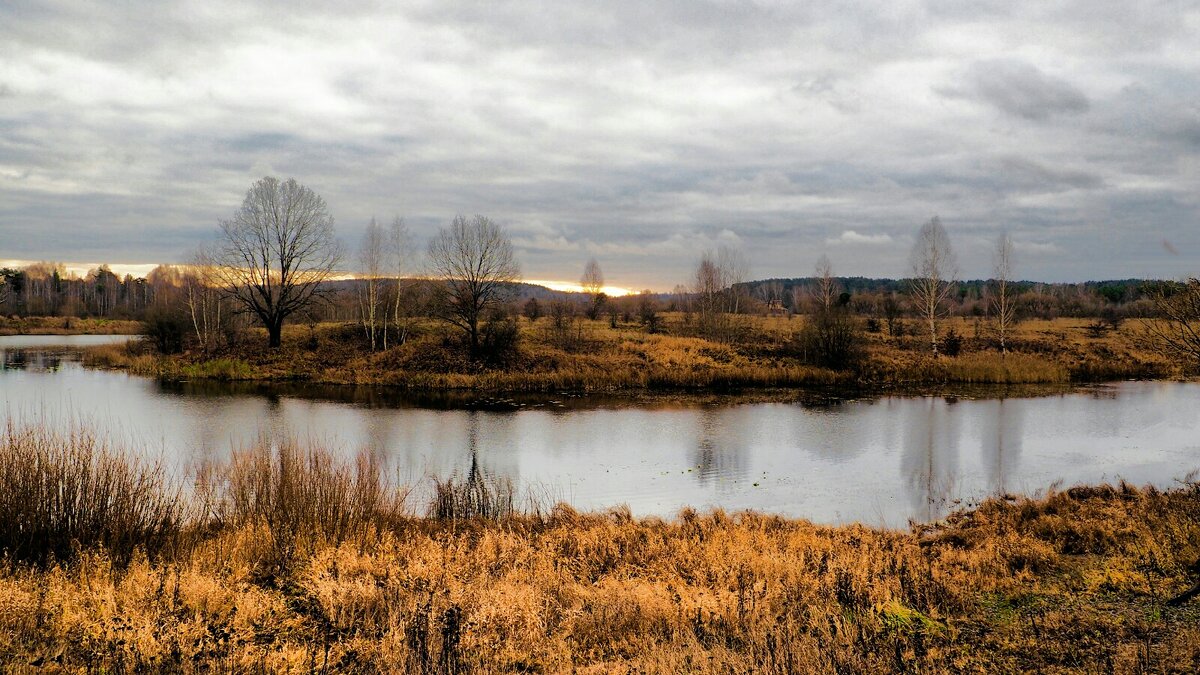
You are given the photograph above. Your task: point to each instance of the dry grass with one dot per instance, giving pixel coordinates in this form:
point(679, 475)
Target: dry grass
point(763, 352)
point(130, 357)
point(1072, 582)
point(54, 325)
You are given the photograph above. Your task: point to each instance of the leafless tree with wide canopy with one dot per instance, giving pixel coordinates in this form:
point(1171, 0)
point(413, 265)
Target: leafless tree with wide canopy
point(276, 252)
point(474, 261)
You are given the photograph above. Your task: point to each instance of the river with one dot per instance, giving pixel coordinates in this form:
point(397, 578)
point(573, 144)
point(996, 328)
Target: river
point(881, 460)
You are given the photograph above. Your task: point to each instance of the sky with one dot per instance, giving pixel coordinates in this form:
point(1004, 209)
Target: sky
point(638, 133)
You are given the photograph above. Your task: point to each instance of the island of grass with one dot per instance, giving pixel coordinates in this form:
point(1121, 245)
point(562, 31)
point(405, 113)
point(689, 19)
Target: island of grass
point(596, 356)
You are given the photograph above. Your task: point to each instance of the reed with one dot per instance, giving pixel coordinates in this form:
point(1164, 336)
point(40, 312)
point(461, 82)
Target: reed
point(128, 357)
point(473, 497)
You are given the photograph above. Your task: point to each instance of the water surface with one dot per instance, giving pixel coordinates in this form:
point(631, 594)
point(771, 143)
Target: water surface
point(881, 461)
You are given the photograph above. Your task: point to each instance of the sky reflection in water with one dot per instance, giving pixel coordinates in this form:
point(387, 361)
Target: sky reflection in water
point(879, 461)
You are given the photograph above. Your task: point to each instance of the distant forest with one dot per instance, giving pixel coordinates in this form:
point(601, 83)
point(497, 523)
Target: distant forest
point(46, 289)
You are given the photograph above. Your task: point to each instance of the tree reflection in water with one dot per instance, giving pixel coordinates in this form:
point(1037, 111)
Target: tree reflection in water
point(930, 458)
point(1002, 438)
point(37, 361)
point(722, 435)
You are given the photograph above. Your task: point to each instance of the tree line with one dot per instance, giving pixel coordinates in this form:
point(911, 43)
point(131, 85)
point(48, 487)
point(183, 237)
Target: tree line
point(277, 260)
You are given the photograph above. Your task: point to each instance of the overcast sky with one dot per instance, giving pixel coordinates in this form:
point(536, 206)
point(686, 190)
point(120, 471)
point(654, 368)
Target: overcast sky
point(640, 133)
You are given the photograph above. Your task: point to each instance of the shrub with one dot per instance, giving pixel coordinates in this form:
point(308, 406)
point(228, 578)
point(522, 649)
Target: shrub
point(499, 341)
point(533, 309)
point(952, 343)
point(63, 492)
point(831, 338)
point(165, 329)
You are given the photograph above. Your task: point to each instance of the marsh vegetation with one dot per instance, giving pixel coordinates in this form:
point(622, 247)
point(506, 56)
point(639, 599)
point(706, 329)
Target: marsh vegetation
point(295, 559)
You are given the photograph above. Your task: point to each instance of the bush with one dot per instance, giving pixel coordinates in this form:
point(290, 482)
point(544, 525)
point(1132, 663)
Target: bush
point(165, 330)
point(952, 343)
point(565, 330)
point(831, 338)
point(533, 309)
point(63, 492)
point(500, 341)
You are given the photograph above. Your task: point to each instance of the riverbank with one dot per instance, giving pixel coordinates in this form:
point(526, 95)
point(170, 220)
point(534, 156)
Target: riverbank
point(57, 325)
point(594, 357)
point(314, 563)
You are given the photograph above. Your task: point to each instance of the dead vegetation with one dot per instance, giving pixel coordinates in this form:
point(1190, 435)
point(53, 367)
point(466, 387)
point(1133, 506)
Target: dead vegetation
point(759, 352)
point(295, 560)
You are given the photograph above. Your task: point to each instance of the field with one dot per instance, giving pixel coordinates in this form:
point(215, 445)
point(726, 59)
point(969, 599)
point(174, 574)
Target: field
point(756, 352)
point(298, 561)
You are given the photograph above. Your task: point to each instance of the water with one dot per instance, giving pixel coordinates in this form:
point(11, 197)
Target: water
point(880, 461)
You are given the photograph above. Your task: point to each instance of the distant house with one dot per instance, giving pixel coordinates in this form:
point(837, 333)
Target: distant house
point(775, 308)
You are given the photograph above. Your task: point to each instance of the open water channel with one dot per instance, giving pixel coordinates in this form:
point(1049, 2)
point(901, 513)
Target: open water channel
point(880, 460)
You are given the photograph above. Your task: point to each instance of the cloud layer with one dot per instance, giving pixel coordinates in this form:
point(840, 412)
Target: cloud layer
point(638, 133)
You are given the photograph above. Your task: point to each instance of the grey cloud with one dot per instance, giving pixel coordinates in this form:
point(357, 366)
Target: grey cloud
point(632, 131)
point(1019, 89)
point(1026, 175)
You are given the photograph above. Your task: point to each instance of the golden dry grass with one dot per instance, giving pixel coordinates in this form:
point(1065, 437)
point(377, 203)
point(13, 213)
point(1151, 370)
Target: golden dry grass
point(1075, 581)
point(53, 325)
point(761, 352)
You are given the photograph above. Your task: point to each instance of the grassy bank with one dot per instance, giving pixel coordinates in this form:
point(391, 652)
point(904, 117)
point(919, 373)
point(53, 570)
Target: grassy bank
point(55, 325)
point(759, 352)
point(298, 561)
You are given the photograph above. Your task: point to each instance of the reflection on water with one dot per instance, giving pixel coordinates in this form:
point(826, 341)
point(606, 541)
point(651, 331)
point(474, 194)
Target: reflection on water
point(930, 459)
point(1001, 436)
point(881, 461)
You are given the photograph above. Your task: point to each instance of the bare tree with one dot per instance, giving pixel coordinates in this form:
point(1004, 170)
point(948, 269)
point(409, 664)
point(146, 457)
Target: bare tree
point(682, 299)
point(891, 314)
point(710, 284)
point(934, 272)
point(474, 262)
point(719, 287)
point(276, 252)
point(1002, 302)
point(400, 256)
point(592, 283)
point(1175, 330)
point(370, 305)
point(202, 297)
point(735, 267)
point(826, 291)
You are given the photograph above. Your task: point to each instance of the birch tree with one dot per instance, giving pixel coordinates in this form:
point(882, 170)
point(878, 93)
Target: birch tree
point(1002, 301)
point(202, 298)
point(825, 292)
point(734, 267)
point(399, 258)
point(371, 259)
point(934, 273)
